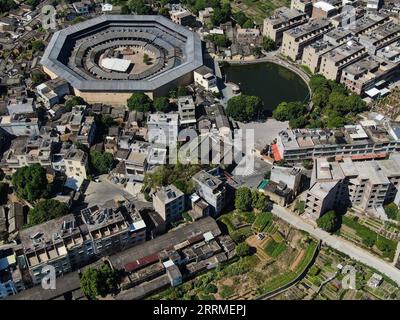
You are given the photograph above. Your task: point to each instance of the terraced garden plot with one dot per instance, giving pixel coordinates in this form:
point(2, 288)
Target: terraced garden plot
point(273, 248)
point(257, 10)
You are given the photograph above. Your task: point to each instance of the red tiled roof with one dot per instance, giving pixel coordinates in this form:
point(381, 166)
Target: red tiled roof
point(275, 151)
point(131, 266)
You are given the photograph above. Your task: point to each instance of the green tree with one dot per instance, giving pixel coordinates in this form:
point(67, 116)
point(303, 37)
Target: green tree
point(7, 5)
point(30, 182)
point(317, 82)
point(289, 111)
point(307, 164)
point(210, 288)
point(243, 199)
point(98, 282)
point(139, 102)
point(220, 40)
point(248, 24)
point(46, 210)
point(221, 14)
point(299, 122)
point(38, 77)
point(240, 18)
point(268, 44)
point(101, 163)
point(329, 222)
point(138, 7)
point(78, 20)
point(161, 104)
point(254, 197)
point(37, 45)
point(243, 249)
point(245, 108)
point(392, 211)
point(74, 101)
point(163, 12)
point(262, 203)
point(146, 59)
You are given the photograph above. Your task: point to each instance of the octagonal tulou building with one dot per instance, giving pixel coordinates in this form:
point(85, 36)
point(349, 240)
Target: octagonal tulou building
point(107, 58)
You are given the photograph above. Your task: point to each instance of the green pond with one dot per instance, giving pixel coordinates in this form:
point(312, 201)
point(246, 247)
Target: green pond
point(271, 82)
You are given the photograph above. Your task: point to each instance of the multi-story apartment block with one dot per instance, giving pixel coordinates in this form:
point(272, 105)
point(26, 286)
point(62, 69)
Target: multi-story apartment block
point(25, 151)
point(333, 62)
point(338, 36)
point(205, 77)
point(20, 125)
point(113, 227)
point(296, 39)
point(305, 6)
point(76, 163)
point(52, 91)
point(312, 54)
point(367, 23)
point(211, 189)
point(282, 19)
point(59, 243)
point(381, 36)
point(163, 128)
point(366, 186)
point(10, 274)
point(368, 140)
point(136, 165)
point(86, 133)
point(324, 9)
point(390, 53)
point(182, 17)
point(169, 202)
point(187, 111)
point(365, 73)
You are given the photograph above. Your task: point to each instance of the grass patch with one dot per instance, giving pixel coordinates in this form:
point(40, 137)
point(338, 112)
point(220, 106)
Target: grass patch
point(370, 238)
point(273, 248)
point(262, 220)
point(226, 291)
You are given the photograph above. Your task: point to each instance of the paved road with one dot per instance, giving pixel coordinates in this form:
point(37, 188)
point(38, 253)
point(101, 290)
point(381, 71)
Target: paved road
point(339, 244)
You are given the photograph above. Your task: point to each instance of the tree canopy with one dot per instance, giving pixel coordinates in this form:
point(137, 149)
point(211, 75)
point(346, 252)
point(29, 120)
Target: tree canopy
point(138, 7)
point(38, 77)
point(243, 249)
point(46, 210)
point(220, 40)
point(161, 104)
point(392, 211)
point(268, 44)
point(287, 111)
point(245, 108)
point(139, 102)
point(7, 5)
point(74, 101)
point(329, 222)
point(37, 45)
point(332, 106)
point(101, 162)
point(221, 14)
point(30, 182)
point(98, 282)
point(243, 199)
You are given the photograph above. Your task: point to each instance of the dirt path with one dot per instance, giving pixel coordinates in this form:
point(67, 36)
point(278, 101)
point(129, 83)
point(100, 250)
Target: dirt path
point(297, 261)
